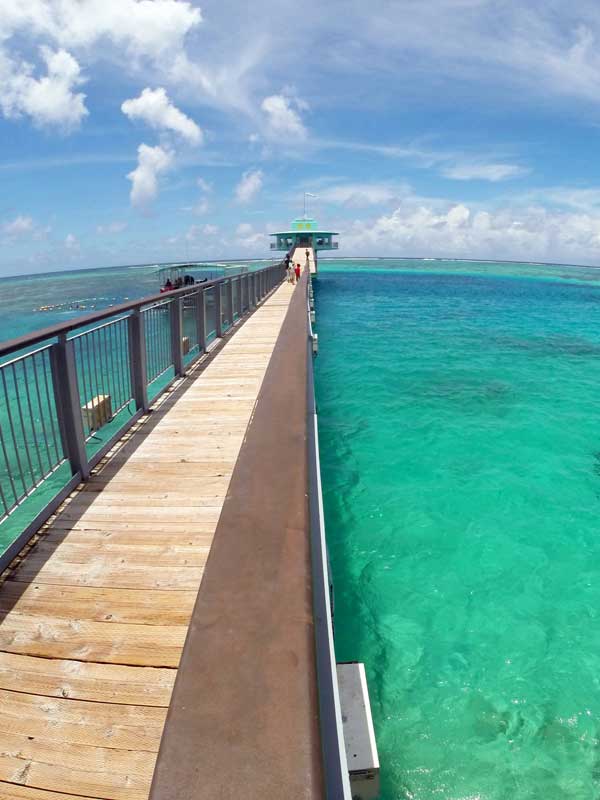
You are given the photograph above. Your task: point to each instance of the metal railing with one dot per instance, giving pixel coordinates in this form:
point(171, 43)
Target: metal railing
point(337, 781)
point(69, 392)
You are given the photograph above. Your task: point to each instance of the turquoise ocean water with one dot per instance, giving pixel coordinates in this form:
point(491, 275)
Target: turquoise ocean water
point(459, 412)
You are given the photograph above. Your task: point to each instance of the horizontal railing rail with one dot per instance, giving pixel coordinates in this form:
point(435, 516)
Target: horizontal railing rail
point(70, 391)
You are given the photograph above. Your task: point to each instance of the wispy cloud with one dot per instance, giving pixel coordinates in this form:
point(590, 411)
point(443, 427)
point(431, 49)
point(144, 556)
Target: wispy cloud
point(456, 165)
point(493, 172)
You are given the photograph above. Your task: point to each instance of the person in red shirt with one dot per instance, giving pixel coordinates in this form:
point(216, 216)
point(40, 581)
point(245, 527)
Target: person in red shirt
point(297, 271)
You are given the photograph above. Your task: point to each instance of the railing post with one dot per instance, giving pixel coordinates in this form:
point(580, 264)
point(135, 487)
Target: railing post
point(201, 321)
point(218, 312)
point(137, 359)
point(176, 310)
point(68, 405)
point(252, 291)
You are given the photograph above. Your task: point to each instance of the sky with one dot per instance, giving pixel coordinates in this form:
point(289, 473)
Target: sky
point(141, 131)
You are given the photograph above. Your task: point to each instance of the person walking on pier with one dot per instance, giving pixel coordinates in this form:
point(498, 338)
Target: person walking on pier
point(290, 273)
point(297, 270)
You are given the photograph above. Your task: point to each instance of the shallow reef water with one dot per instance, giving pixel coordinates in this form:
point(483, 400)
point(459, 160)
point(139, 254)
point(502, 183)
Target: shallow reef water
point(460, 442)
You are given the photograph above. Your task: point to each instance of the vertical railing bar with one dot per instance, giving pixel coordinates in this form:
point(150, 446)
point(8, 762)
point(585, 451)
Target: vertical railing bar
point(168, 351)
point(151, 345)
point(39, 399)
point(32, 420)
point(176, 334)
point(110, 362)
point(18, 396)
point(126, 355)
point(164, 330)
point(96, 373)
point(161, 340)
point(87, 369)
point(156, 347)
point(114, 366)
point(201, 320)
point(121, 332)
point(146, 343)
point(8, 467)
point(147, 335)
point(48, 366)
point(4, 503)
point(218, 313)
point(230, 302)
point(115, 374)
point(157, 328)
point(119, 345)
point(108, 368)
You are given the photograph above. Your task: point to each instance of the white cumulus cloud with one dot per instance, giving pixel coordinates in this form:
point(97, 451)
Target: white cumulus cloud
point(249, 186)
point(155, 109)
point(19, 226)
point(282, 118)
point(142, 27)
point(152, 162)
point(431, 227)
point(50, 100)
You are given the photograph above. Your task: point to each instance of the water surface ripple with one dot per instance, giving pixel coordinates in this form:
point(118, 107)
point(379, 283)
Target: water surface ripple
point(460, 441)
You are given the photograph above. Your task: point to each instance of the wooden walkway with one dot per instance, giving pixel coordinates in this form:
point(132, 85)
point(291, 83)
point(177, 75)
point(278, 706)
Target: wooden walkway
point(94, 618)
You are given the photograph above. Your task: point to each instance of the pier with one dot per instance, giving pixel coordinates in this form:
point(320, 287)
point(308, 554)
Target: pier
point(165, 619)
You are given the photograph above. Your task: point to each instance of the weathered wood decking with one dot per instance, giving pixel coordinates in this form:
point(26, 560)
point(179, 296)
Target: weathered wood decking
point(93, 620)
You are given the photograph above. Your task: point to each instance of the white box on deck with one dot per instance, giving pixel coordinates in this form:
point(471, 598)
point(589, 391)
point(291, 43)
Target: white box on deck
point(359, 736)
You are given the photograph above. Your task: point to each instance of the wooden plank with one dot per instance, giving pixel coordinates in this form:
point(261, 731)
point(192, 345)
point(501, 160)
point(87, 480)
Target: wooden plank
point(127, 535)
point(153, 555)
point(12, 791)
point(127, 606)
point(101, 683)
point(209, 486)
point(110, 526)
point(84, 640)
point(99, 772)
point(121, 727)
point(150, 516)
point(108, 574)
point(141, 496)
